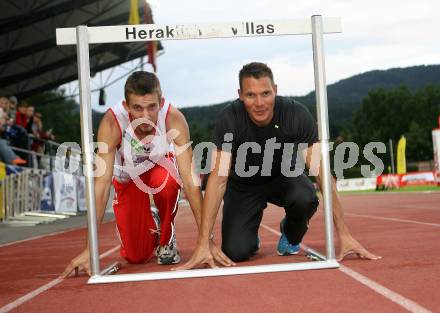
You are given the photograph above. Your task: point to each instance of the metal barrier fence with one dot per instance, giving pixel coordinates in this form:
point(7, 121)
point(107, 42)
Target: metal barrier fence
point(22, 189)
point(22, 192)
point(47, 159)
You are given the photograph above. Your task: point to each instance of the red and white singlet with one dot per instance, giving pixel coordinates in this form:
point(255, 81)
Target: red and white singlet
point(134, 156)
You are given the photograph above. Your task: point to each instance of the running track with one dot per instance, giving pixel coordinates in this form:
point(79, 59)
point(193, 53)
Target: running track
point(403, 228)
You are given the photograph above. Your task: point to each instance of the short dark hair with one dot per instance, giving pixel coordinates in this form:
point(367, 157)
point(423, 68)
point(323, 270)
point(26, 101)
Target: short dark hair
point(141, 83)
point(23, 104)
point(255, 70)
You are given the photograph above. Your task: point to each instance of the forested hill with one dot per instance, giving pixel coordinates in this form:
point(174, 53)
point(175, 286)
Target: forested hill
point(351, 91)
point(344, 96)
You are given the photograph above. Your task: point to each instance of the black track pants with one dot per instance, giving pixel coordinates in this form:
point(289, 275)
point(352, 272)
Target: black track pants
point(243, 210)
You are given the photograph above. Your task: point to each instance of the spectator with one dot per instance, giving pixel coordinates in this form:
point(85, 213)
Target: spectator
point(12, 105)
point(21, 118)
point(4, 102)
point(30, 111)
point(7, 155)
point(5, 118)
point(37, 131)
point(17, 133)
point(4, 107)
point(38, 128)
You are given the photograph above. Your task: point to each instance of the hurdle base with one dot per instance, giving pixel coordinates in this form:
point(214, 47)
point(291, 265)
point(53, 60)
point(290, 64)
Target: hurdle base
point(223, 271)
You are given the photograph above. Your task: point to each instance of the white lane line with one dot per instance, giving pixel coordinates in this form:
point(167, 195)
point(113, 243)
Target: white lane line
point(44, 288)
point(389, 193)
point(108, 252)
point(393, 219)
point(276, 232)
point(406, 303)
point(30, 295)
point(387, 293)
point(48, 235)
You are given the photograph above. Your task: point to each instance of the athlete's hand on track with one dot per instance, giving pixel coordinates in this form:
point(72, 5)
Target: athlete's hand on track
point(218, 255)
point(81, 262)
point(201, 256)
point(349, 245)
point(206, 254)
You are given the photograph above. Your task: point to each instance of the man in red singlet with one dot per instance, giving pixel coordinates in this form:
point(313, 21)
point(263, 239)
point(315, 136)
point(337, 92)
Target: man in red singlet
point(146, 152)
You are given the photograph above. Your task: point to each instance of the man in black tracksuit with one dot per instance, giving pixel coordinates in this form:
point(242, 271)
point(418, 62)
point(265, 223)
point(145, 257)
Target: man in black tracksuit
point(263, 142)
point(256, 178)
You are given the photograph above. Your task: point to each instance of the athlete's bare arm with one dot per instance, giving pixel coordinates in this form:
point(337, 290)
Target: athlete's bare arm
point(109, 136)
point(348, 245)
point(177, 121)
point(206, 251)
point(176, 126)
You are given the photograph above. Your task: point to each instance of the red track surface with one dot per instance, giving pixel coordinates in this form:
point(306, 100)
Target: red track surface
point(385, 223)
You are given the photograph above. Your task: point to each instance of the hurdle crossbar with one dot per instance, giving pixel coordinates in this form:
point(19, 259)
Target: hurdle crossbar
point(83, 36)
point(149, 32)
point(211, 272)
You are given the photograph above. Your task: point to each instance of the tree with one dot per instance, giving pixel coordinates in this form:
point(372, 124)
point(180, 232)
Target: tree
point(389, 114)
point(419, 143)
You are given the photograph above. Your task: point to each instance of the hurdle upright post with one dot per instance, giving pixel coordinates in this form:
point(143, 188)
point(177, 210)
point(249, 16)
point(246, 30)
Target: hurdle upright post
point(323, 128)
point(82, 43)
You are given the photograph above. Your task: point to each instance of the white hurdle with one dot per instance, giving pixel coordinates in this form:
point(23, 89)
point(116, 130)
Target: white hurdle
point(83, 36)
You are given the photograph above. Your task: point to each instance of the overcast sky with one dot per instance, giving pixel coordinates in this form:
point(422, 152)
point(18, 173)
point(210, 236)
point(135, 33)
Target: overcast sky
point(376, 35)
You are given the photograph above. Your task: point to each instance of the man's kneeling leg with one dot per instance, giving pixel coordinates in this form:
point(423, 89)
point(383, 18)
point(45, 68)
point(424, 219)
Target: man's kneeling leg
point(241, 248)
point(300, 203)
point(135, 225)
point(242, 214)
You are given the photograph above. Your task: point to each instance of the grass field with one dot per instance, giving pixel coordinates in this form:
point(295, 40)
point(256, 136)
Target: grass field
point(402, 189)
